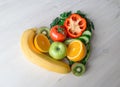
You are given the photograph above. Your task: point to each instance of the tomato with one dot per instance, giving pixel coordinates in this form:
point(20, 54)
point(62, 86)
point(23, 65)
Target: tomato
point(75, 25)
point(58, 33)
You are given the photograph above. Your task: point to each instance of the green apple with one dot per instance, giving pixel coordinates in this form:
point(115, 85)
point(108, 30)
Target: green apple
point(57, 50)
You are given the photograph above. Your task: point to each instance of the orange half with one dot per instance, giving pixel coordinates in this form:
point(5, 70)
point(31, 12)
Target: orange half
point(76, 51)
point(42, 43)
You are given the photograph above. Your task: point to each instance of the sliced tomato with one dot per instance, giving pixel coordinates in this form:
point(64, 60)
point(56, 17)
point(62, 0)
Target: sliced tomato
point(75, 25)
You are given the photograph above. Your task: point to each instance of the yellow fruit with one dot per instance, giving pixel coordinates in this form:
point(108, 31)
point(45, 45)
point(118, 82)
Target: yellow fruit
point(76, 51)
point(42, 43)
point(39, 58)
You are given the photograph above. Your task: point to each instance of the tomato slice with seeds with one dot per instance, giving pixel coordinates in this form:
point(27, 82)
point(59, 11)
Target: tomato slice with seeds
point(75, 25)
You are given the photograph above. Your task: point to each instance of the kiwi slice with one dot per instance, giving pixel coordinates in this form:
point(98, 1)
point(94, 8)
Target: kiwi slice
point(78, 69)
point(43, 30)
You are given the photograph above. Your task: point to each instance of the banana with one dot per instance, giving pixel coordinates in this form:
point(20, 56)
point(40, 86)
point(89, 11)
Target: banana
point(39, 58)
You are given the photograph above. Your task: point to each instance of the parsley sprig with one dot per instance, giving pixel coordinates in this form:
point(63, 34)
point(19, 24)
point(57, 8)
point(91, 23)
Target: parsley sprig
point(60, 20)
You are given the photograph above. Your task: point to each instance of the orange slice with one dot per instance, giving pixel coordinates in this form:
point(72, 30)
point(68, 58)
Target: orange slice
point(76, 51)
point(42, 43)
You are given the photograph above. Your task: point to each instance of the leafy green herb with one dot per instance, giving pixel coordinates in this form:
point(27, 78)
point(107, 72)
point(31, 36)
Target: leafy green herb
point(90, 25)
point(64, 15)
point(60, 20)
point(55, 22)
point(84, 61)
point(81, 14)
point(71, 62)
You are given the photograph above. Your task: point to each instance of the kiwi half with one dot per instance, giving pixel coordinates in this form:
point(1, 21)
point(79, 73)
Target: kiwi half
point(78, 69)
point(43, 30)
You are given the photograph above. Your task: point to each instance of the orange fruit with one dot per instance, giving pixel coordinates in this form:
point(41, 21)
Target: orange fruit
point(76, 51)
point(42, 43)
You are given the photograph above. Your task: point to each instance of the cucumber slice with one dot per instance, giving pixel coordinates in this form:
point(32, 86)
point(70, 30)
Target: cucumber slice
point(78, 69)
point(43, 30)
point(68, 41)
point(84, 39)
point(87, 33)
point(81, 39)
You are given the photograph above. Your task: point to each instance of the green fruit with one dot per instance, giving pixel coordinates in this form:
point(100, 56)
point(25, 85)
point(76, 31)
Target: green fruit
point(57, 50)
point(43, 30)
point(78, 69)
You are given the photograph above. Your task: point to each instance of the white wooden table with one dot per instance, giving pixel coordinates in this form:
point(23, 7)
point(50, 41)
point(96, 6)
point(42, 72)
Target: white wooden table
point(103, 68)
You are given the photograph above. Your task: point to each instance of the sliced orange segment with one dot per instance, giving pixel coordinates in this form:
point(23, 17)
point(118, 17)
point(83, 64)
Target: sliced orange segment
point(42, 43)
point(76, 51)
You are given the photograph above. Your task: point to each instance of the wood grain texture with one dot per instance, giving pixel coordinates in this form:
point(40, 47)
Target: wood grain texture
point(103, 67)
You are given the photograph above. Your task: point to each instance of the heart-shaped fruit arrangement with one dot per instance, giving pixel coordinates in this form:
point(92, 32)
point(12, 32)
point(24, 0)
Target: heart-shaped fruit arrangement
point(63, 47)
